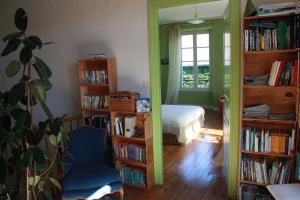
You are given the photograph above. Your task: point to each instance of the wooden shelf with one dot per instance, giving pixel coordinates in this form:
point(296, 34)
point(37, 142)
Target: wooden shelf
point(271, 51)
point(252, 183)
point(252, 153)
point(93, 85)
point(132, 163)
point(269, 87)
point(95, 110)
point(129, 139)
point(270, 16)
point(132, 185)
point(270, 121)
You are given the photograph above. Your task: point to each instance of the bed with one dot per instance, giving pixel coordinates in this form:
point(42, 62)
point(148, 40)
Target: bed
point(181, 123)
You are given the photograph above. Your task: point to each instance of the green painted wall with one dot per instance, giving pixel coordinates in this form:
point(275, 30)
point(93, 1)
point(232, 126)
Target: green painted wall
point(196, 97)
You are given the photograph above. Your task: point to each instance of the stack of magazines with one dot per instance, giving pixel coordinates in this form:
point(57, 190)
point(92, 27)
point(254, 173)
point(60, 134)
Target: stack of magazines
point(288, 116)
point(260, 111)
point(257, 80)
point(278, 8)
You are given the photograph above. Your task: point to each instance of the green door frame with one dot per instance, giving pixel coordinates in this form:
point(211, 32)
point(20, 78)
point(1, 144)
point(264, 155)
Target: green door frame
point(153, 7)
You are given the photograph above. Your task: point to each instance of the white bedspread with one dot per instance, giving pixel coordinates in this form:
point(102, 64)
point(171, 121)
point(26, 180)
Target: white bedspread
point(176, 118)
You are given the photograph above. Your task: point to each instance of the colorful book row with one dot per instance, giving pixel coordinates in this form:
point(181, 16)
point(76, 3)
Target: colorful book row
point(131, 152)
point(284, 73)
point(268, 141)
point(256, 170)
point(133, 176)
point(264, 35)
point(95, 77)
point(95, 102)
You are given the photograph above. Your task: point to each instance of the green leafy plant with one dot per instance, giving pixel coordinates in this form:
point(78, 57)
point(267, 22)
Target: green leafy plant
point(25, 166)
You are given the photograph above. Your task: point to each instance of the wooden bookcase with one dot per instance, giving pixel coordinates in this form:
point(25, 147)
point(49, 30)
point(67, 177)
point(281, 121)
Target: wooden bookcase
point(281, 99)
point(99, 88)
point(144, 140)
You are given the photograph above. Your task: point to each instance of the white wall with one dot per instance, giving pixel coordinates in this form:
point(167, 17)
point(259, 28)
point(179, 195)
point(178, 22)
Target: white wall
point(117, 27)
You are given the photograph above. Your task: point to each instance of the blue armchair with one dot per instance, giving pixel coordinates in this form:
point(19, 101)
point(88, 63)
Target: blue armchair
point(87, 174)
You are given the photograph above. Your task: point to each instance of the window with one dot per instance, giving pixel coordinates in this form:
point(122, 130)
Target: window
point(195, 61)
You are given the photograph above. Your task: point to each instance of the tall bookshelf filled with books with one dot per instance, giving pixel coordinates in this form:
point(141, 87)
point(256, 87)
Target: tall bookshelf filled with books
point(269, 102)
point(97, 78)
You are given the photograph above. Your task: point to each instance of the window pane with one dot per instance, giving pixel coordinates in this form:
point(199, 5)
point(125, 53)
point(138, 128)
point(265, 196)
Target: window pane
point(188, 79)
point(203, 76)
point(203, 84)
point(187, 41)
point(187, 64)
point(227, 53)
point(187, 55)
point(203, 63)
point(203, 40)
point(202, 54)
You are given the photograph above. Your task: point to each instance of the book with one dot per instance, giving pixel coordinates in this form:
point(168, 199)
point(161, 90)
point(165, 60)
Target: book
point(130, 124)
point(296, 73)
point(268, 141)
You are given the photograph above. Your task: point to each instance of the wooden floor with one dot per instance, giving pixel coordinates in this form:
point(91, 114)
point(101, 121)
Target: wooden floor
point(192, 171)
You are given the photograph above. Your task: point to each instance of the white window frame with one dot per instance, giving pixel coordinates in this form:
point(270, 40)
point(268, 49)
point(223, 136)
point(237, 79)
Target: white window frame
point(195, 33)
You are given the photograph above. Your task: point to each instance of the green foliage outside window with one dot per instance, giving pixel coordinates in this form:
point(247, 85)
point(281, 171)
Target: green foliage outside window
point(202, 77)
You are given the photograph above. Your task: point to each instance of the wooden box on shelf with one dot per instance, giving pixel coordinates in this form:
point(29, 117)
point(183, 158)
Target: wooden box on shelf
point(135, 152)
point(123, 101)
point(282, 99)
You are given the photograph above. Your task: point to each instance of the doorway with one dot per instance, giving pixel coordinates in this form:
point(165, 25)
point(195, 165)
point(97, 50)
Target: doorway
point(231, 104)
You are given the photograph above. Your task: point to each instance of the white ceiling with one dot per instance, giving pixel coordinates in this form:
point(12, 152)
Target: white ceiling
point(210, 10)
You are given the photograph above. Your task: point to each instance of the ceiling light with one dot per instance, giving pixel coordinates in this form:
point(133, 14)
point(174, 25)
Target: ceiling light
point(196, 20)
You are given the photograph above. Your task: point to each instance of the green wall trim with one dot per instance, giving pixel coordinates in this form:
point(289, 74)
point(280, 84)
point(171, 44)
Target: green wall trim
point(155, 94)
point(234, 98)
point(154, 56)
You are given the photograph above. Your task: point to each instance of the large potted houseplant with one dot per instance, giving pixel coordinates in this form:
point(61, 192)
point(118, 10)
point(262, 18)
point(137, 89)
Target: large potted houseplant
point(25, 165)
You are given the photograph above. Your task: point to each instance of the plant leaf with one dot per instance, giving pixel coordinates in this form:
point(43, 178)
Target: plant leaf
point(41, 186)
point(16, 93)
point(21, 19)
point(55, 183)
point(39, 156)
point(36, 41)
point(33, 181)
point(25, 55)
point(47, 195)
point(15, 35)
point(38, 91)
point(5, 122)
point(13, 68)
point(27, 156)
point(11, 46)
point(54, 140)
point(22, 117)
point(24, 100)
point(43, 68)
point(3, 169)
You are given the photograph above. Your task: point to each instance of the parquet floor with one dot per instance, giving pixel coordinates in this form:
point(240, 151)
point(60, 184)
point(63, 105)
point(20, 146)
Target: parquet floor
point(192, 171)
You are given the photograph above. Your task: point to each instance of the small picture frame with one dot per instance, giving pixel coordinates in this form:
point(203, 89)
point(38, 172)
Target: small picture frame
point(164, 61)
point(143, 105)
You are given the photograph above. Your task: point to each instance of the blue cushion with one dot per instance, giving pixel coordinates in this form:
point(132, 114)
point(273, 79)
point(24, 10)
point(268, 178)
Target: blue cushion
point(87, 145)
point(98, 192)
point(89, 177)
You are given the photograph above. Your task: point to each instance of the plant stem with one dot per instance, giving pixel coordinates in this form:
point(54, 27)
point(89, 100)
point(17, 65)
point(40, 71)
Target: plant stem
point(29, 108)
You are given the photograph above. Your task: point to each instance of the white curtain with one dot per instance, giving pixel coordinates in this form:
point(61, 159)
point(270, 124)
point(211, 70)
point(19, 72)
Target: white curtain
point(174, 64)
